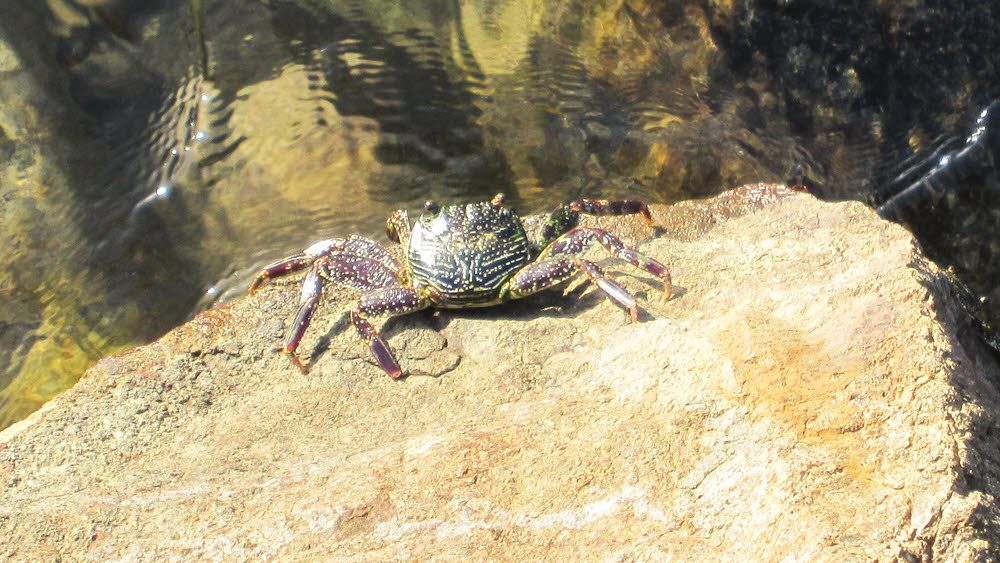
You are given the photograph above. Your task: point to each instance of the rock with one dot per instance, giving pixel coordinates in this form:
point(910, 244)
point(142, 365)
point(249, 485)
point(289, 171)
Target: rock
point(813, 391)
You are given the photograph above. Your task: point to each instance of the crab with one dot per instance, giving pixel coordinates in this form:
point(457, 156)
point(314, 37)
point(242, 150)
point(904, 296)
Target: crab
point(457, 256)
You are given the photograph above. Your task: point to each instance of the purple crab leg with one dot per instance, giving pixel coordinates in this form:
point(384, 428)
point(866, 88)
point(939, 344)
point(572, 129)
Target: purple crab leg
point(280, 268)
point(312, 290)
point(578, 240)
point(296, 262)
point(612, 288)
point(550, 272)
point(346, 269)
point(391, 301)
point(354, 244)
point(539, 275)
point(566, 217)
point(612, 207)
point(357, 272)
point(357, 244)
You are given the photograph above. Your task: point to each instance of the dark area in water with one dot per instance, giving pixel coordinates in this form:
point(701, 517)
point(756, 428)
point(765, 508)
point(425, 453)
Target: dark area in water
point(868, 82)
point(154, 154)
point(898, 104)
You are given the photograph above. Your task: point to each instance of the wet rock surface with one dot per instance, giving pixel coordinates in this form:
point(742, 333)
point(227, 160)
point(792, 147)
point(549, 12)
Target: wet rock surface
point(813, 389)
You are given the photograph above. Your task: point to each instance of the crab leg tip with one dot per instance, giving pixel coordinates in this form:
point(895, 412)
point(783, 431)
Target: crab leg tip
point(384, 357)
point(633, 312)
point(255, 285)
point(295, 360)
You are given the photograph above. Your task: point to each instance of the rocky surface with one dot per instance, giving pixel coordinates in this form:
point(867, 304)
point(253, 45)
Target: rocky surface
point(812, 392)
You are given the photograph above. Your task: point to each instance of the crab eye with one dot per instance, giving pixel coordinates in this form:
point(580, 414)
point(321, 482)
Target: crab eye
point(497, 201)
point(431, 206)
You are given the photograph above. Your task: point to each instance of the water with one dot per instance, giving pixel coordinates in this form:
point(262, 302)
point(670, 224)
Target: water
point(154, 154)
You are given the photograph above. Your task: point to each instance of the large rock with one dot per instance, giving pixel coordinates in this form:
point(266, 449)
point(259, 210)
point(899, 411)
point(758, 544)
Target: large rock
point(812, 392)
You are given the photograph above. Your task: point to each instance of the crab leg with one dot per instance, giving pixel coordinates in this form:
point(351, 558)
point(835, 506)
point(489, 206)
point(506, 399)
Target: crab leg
point(550, 272)
point(357, 272)
point(612, 207)
point(351, 270)
point(312, 290)
point(538, 276)
point(391, 301)
point(363, 248)
point(367, 248)
point(298, 261)
point(566, 217)
point(280, 268)
point(612, 288)
point(578, 240)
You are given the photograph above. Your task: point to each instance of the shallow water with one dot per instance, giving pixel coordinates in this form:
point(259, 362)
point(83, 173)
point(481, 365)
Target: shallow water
point(154, 155)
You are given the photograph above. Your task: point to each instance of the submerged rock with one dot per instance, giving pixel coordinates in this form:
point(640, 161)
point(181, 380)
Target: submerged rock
point(814, 390)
